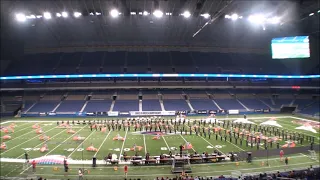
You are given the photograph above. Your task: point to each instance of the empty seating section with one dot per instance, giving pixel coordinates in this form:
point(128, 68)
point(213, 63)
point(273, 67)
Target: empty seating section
point(70, 106)
point(150, 96)
point(160, 62)
point(137, 62)
point(98, 106)
point(34, 64)
point(301, 103)
point(175, 105)
point(126, 105)
point(222, 96)
point(183, 62)
point(280, 102)
point(253, 104)
point(27, 105)
point(313, 109)
point(114, 62)
point(69, 62)
point(228, 104)
point(203, 104)
point(44, 106)
point(91, 62)
point(151, 105)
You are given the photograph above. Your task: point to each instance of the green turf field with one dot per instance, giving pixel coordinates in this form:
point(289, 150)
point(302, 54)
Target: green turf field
point(24, 139)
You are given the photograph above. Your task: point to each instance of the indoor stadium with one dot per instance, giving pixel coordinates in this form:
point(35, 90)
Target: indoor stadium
point(159, 89)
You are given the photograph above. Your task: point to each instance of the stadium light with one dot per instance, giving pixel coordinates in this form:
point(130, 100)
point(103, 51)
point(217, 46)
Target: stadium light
point(311, 14)
point(98, 14)
point(206, 15)
point(20, 17)
point(318, 11)
point(39, 16)
point(58, 15)
point(91, 14)
point(258, 19)
point(31, 17)
point(186, 14)
point(227, 16)
point(64, 14)
point(47, 15)
point(158, 13)
point(234, 17)
point(145, 13)
point(77, 14)
point(133, 13)
point(114, 13)
point(274, 20)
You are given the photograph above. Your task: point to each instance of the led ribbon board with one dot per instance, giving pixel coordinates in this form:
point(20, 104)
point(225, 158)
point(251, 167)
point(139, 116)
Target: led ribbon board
point(158, 75)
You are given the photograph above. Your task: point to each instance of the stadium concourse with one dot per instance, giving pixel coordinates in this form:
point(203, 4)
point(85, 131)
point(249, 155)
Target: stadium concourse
point(159, 89)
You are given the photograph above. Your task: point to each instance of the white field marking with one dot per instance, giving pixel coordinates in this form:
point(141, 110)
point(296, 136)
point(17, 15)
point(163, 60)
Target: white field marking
point(26, 169)
point(22, 126)
point(212, 145)
point(218, 149)
point(42, 142)
point(102, 143)
point(205, 172)
point(64, 141)
point(186, 142)
point(80, 144)
point(286, 123)
point(88, 162)
point(125, 138)
point(164, 139)
point(20, 135)
point(25, 141)
point(145, 145)
point(12, 171)
point(304, 119)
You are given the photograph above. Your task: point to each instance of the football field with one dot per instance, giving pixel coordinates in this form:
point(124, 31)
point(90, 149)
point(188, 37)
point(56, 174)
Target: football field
point(25, 139)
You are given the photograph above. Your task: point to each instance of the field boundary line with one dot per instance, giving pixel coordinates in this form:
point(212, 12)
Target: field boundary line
point(64, 141)
point(165, 141)
point(125, 138)
point(145, 145)
point(102, 143)
point(26, 141)
point(80, 144)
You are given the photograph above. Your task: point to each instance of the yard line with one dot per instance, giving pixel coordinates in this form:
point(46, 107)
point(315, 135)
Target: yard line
point(284, 122)
point(64, 141)
point(42, 142)
point(212, 145)
point(145, 145)
point(25, 141)
point(166, 143)
point(125, 138)
point(12, 171)
point(102, 143)
point(186, 142)
point(80, 144)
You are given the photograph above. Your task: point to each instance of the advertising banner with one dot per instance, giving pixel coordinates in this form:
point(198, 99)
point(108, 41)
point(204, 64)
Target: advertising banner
point(233, 111)
point(152, 113)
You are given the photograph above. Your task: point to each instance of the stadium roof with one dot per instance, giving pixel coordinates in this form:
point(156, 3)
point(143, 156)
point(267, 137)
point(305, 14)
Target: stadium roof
point(170, 30)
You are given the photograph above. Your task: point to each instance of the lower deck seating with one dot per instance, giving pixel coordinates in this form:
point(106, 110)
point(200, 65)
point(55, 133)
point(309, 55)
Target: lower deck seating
point(98, 106)
point(151, 105)
point(227, 104)
point(175, 105)
point(203, 104)
point(126, 105)
point(253, 104)
point(44, 106)
point(70, 106)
